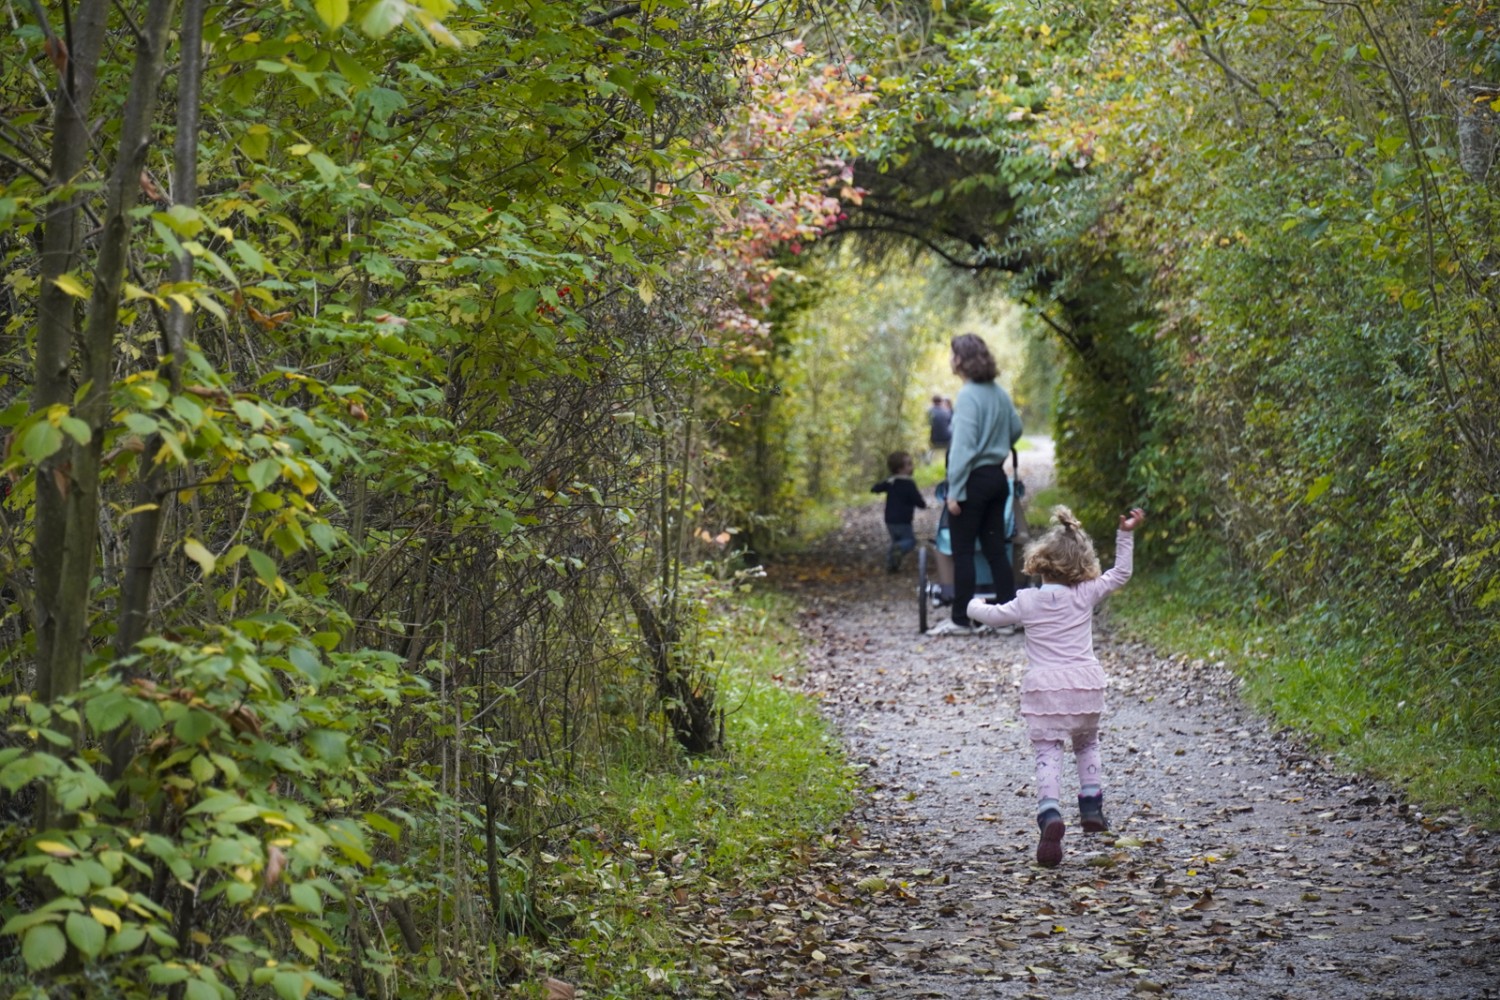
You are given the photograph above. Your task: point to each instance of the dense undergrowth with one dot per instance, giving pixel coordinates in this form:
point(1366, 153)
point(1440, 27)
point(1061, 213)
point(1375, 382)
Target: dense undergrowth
point(670, 833)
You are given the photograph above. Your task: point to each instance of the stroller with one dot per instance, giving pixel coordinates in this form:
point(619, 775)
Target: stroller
point(935, 561)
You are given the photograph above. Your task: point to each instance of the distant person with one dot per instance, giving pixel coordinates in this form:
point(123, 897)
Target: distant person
point(1062, 692)
point(984, 429)
point(939, 419)
point(902, 498)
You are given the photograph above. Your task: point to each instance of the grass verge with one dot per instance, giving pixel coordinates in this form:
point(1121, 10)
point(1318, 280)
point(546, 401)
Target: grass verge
point(1399, 705)
point(671, 839)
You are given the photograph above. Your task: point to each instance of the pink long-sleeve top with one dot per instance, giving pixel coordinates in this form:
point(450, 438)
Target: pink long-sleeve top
point(1062, 692)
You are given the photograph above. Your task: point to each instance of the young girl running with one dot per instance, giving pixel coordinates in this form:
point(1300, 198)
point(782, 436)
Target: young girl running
point(1062, 692)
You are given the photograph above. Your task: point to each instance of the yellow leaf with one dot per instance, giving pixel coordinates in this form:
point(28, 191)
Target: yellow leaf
point(332, 12)
point(56, 849)
point(194, 550)
point(109, 918)
point(71, 285)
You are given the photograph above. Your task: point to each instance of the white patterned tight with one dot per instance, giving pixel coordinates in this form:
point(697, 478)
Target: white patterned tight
point(1049, 758)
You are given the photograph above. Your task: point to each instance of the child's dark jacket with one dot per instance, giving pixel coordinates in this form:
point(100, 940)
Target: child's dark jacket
point(902, 498)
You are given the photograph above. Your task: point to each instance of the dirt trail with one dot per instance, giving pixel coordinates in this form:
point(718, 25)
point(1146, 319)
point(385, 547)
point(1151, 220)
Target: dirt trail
point(1239, 865)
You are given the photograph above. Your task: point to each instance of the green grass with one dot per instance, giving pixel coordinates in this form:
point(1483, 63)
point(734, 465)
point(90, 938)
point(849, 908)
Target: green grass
point(782, 780)
point(697, 826)
point(821, 519)
point(929, 474)
point(1400, 703)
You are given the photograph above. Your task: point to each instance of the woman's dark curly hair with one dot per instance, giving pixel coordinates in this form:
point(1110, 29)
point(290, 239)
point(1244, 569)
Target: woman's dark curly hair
point(972, 359)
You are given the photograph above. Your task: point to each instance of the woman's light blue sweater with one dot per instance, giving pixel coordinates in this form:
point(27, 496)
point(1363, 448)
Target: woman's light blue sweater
point(985, 427)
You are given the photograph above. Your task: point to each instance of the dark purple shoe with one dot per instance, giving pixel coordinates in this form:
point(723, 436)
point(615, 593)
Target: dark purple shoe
point(1091, 813)
point(1049, 850)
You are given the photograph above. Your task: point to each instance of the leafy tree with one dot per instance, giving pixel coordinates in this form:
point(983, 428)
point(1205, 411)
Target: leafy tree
point(342, 440)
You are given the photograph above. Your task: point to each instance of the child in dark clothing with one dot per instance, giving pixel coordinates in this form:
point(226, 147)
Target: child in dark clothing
point(902, 498)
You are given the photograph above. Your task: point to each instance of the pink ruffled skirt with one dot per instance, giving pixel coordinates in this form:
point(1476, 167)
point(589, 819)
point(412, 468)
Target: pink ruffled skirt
point(1061, 702)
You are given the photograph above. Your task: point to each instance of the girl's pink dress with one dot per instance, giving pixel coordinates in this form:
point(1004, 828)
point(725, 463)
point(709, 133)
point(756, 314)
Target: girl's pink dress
point(1062, 692)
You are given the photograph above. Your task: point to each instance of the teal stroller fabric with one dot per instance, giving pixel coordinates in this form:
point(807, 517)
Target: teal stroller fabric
point(984, 578)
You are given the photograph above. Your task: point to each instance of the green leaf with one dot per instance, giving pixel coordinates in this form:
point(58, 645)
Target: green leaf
point(129, 939)
point(525, 301)
point(306, 897)
point(263, 473)
point(1318, 488)
point(383, 16)
point(202, 770)
point(199, 989)
point(327, 169)
point(140, 424)
point(332, 12)
point(308, 663)
point(194, 725)
point(264, 566)
point(329, 745)
point(291, 985)
point(225, 851)
point(27, 769)
point(380, 823)
point(168, 973)
point(252, 258)
point(23, 921)
point(76, 429)
point(107, 711)
point(40, 441)
point(70, 879)
point(256, 142)
point(182, 220)
point(86, 933)
point(353, 70)
point(43, 947)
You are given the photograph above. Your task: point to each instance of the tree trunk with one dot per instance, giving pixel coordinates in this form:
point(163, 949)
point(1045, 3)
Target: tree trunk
point(68, 484)
point(145, 527)
point(56, 319)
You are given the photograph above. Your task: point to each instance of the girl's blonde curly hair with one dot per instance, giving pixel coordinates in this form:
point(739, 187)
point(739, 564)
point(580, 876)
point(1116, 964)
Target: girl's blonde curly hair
point(1065, 554)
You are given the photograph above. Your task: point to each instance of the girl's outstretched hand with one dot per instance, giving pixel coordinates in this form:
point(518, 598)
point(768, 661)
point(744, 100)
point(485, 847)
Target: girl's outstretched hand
point(1133, 520)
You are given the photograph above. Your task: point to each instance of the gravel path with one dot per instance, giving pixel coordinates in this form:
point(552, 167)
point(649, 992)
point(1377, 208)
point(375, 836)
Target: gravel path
point(1239, 865)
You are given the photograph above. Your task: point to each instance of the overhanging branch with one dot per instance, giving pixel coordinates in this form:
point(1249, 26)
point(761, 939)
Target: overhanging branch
point(985, 262)
point(613, 14)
